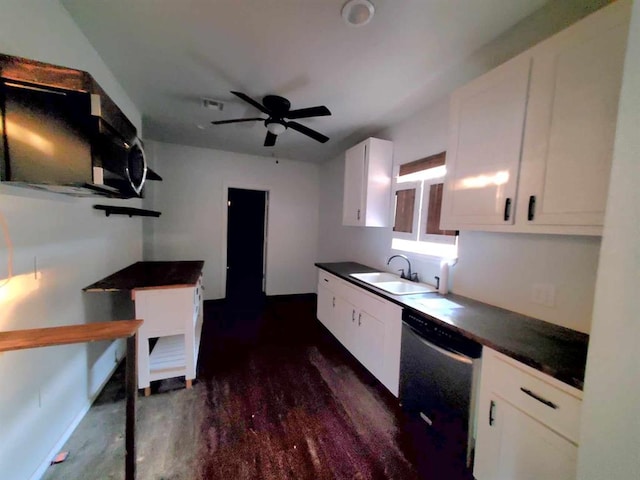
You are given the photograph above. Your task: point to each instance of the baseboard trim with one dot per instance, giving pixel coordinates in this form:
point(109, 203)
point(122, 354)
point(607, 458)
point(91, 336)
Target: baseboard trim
point(46, 463)
point(292, 296)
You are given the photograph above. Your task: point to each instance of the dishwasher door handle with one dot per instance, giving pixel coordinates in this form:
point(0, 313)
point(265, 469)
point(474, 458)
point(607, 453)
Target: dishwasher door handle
point(453, 355)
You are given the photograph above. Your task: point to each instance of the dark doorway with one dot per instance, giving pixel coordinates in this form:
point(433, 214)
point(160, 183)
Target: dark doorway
point(246, 222)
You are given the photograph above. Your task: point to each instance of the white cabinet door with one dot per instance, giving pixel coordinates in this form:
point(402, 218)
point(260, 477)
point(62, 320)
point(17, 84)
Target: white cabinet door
point(483, 157)
point(367, 184)
point(369, 343)
point(517, 446)
point(346, 315)
point(355, 171)
point(326, 305)
point(571, 122)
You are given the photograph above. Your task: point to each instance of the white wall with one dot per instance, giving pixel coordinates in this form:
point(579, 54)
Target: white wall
point(516, 262)
point(192, 199)
point(46, 391)
point(610, 434)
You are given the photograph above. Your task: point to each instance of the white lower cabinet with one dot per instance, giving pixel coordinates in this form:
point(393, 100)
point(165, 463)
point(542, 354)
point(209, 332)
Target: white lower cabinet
point(527, 423)
point(367, 325)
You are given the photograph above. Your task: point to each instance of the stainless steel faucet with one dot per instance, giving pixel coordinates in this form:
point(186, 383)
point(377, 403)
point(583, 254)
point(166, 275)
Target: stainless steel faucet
point(408, 275)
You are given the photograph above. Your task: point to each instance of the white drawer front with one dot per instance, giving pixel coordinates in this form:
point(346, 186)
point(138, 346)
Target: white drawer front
point(535, 394)
point(328, 281)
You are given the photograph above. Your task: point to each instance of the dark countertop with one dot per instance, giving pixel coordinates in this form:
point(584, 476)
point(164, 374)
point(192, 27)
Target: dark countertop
point(554, 350)
point(147, 275)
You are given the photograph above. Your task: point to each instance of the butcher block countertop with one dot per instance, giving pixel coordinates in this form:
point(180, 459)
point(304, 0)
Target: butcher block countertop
point(557, 351)
point(149, 275)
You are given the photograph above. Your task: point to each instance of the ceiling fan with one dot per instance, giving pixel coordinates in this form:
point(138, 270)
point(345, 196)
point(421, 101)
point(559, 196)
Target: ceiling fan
point(279, 114)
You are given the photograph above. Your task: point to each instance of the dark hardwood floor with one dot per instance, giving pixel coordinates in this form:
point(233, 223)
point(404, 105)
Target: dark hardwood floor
point(276, 398)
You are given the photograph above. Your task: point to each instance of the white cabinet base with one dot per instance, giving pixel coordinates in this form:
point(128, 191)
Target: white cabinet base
point(527, 424)
point(174, 317)
point(367, 325)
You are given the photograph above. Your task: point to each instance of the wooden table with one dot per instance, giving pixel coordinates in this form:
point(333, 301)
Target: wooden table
point(46, 337)
point(168, 296)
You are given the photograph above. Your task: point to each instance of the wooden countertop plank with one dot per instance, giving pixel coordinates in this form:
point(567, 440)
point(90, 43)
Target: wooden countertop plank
point(146, 275)
point(68, 334)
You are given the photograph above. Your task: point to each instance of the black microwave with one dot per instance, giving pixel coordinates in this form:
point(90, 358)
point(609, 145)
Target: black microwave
point(66, 141)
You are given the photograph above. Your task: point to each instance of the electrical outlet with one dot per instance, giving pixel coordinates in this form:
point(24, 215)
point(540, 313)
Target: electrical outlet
point(544, 294)
point(37, 274)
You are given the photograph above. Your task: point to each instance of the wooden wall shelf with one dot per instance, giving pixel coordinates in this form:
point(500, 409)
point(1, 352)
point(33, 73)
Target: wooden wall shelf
point(132, 212)
point(151, 175)
point(90, 332)
point(46, 337)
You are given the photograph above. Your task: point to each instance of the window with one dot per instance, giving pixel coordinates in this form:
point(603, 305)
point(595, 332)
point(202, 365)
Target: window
point(418, 200)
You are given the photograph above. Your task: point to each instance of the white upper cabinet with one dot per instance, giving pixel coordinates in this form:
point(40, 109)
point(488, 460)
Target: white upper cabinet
point(537, 160)
point(486, 125)
point(367, 184)
point(571, 122)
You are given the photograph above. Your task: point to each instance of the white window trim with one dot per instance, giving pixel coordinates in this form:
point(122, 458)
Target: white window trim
point(430, 237)
point(429, 246)
point(415, 226)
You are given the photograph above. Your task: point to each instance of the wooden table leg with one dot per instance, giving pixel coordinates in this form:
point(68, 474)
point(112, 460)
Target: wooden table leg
point(130, 421)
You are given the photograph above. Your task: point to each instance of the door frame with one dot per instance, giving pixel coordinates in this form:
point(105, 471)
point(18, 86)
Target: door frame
point(225, 219)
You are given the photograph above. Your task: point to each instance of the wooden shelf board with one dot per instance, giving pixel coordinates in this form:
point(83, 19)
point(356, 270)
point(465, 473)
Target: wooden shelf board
point(132, 212)
point(168, 354)
point(68, 334)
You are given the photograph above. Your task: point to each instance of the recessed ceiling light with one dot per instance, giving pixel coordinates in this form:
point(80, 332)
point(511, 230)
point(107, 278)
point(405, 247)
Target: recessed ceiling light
point(357, 13)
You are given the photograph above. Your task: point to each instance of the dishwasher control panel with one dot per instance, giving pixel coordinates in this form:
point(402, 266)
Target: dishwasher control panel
point(440, 335)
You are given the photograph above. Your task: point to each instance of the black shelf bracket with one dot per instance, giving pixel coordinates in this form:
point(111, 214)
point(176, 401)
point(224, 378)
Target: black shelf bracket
point(132, 212)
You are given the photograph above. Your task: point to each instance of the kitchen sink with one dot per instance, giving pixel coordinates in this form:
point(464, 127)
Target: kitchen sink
point(376, 277)
point(393, 283)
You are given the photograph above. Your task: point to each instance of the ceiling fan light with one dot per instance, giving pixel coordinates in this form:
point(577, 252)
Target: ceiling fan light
point(357, 13)
point(276, 128)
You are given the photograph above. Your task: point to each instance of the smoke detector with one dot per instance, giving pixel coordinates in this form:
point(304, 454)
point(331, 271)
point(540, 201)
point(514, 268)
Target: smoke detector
point(357, 13)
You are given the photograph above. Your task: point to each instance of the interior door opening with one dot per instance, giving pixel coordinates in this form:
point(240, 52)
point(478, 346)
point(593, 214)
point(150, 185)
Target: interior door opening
point(246, 244)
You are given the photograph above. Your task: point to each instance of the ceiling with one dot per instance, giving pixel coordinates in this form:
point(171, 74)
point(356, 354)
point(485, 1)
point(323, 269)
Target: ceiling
point(170, 54)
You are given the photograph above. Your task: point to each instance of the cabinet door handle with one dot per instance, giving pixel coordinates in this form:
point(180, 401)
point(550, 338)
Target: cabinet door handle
point(548, 403)
point(359, 319)
point(353, 315)
point(532, 208)
point(326, 280)
point(507, 209)
point(492, 409)
point(334, 302)
point(358, 214)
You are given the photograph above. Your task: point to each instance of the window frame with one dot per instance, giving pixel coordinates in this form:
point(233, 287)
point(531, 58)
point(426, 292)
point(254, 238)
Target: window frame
point(416, 208)
point(419, 238)
point(423, 236)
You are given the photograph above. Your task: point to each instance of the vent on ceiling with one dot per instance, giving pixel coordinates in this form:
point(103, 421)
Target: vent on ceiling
point(212, 104)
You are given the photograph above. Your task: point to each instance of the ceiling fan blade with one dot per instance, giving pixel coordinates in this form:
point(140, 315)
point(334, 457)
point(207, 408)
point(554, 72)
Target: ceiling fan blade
point(308, 132)
point(270, 139)
point(251, 101)
point(320, 111)
point(236, 120)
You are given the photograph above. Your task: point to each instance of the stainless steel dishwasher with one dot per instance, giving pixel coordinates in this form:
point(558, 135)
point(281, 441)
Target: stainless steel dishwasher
point(439, 372)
